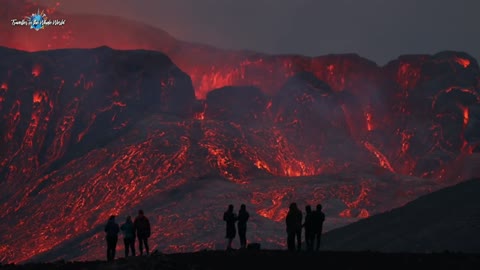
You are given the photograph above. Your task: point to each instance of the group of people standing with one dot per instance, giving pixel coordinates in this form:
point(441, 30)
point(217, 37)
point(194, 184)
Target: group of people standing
point(241, 219)
point(139, 228)
point(313, 226)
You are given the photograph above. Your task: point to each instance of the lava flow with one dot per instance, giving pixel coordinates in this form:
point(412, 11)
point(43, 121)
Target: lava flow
point(182, 130)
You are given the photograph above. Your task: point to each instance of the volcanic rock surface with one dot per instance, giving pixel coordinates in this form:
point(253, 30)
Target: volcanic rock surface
point(86, 133)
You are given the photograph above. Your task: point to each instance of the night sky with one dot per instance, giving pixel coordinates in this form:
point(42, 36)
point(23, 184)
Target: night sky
point(379, 30)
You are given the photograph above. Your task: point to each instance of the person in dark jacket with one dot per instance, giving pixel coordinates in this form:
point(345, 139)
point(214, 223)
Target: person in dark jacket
point(142, 230)
point(294, 227)
point(128, 231)
point(111, 229)
point(308, 226)
point(230, 218)
point(243, 216)
point(318, 219)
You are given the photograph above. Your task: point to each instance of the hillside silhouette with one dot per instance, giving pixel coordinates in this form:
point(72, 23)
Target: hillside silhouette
point(445, 220)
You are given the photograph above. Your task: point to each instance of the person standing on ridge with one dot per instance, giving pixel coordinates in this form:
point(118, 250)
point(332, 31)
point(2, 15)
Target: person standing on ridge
point(230, 218)
point(142, 229)
point(318, 219)
point(128, 230)
point(111, 229)
point(294, 227)
point(308, 225)
point(243, 216)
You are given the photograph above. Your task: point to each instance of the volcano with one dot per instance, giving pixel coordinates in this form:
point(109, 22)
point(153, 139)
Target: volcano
point(181, 130)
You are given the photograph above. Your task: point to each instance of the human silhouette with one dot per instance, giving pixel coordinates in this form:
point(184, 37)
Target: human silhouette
point(142, 229)
point(128, 230)
point(308, 226)
point(111, 229)
point(318, 219)
point(243, 216)
point(294, 227)
point(230, 218)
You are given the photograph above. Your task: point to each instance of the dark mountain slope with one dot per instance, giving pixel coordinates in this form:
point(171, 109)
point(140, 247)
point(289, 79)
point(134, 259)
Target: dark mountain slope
point(448, 219)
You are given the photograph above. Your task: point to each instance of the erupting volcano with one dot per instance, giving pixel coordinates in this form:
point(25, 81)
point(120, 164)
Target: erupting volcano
point(181, 130)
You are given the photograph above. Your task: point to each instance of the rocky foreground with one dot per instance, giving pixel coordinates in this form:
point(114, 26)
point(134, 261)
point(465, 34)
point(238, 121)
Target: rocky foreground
point(272, 259)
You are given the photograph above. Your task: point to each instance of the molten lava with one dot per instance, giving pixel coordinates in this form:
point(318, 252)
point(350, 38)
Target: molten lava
point(87, 133)
point(463, 62)
point(465, 111)
point(381, 157)
point(36, 70)
point(368, 119)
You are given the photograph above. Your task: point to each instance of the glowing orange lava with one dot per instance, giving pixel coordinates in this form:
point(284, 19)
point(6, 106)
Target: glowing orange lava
point(364, 213)
point(381, 157)
point(368, 118)
point(36, 70)
point(38, 97)
point(200, 116)
point(463, 62)
point(466, 113)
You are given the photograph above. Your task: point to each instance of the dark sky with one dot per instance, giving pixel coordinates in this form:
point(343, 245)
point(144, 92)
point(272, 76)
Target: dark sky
point(376, 29)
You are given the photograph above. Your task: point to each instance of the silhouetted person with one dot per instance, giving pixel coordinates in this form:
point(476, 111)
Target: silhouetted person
point(308, 226)
point(111, 230)
point(128, 230)
point(142, 229)
point(318, 219)
point(294, 227)
point(230, 218)
point(243, 216)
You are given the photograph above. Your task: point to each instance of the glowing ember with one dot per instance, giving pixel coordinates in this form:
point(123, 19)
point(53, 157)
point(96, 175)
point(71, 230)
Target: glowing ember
point(36, 70)
point(38, 97)
point(363, 214)
point(466, 112)
point(200, 116)
point(405, 141)
point(368, 117)
point(381, 157)
point(347, 213)
point(463, 62)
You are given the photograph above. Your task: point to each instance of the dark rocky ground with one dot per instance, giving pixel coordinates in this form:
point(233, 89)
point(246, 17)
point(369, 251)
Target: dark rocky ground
point(273, 259)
